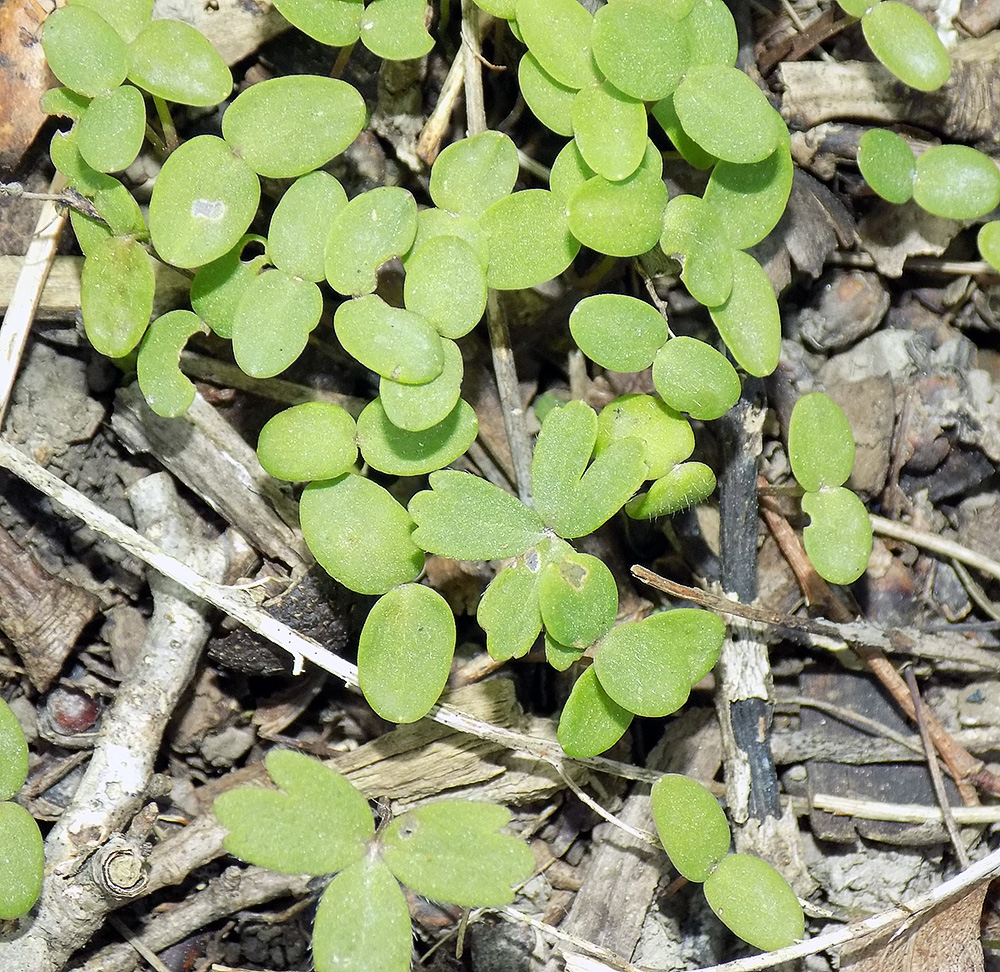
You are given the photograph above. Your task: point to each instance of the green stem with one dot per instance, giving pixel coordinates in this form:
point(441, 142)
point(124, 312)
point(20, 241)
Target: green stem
point(169, 129)
point(343, 56)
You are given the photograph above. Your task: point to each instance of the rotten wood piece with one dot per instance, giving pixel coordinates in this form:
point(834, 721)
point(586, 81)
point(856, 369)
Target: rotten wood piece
point(41, 614)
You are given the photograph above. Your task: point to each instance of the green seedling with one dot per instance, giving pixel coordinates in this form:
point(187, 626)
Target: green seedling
point(838, 539)
point(21, 859)
point(317, 823)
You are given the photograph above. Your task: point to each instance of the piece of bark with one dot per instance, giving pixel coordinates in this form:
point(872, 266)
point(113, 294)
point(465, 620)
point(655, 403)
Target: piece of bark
point(206, 454)
point(41, 614)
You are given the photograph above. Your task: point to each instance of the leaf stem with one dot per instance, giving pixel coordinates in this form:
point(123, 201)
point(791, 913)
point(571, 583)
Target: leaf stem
point(170, 138)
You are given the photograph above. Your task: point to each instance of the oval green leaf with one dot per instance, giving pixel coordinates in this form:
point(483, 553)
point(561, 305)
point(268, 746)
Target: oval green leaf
point(272, 322)
point(394, 29)
point(755, 902)
point(578, 599)
point(314, 440)
point(688, 149)
point(957, 182)
point(372, 228)
point(591, 721)
point(285, 127)
point(820, 443)
point(445, 283)
point(405, 652)
point(988, 241)
point(838, 539)
point(649, 666)
point(683, 486)
point(434, 222)
point(641, 48)
point(21, 863)
point(550, 102)
point(176, 62)
point(203, 201)
point(610, 130)
point(466, 518)
point(727, 114)
point(300, 223)
point(666, 435)
point(888, 164)
point(692, 826)
point(359, 534)
point(557, 32)
point(907, 45)
point(749, 321)
point(167, 391)
point(392, 342)
point(13, 753)
point(116, 295)
point(568, 172)
point(418, 407)
point(84, 51)
point(696, 232)
point(333, 22)
point(451, 850)
point(472, 174)
point(218, 286)
point(559, 656)
point(619, 332)
point(393, 450)
point(691, 376)
point(711, 34)
point(128, 17)
point(110, 133)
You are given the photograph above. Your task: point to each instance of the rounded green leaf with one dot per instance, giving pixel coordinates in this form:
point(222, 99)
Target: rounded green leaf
point(528, 238)
point(711, 34)
point(568, 172)
point(691, 376)
point(314, 440)
point(64, 102)
point(689, 150)
point(470, 175)
point(838, 539)
point(692, 827)
point(13, 753)
point(110, 133)
point(621, 218)
point(755, 902)
point(451, 850)
point(550, 102)
point(372, 228)
point(203, 201)
point(300, 223)
point(559, 656)
point(272, 322)
point(446, 283)
point(856, 8)
point(116, 295)
point(433, 222)
point(392, 342)
point(696, 232)
point(405, 652)
point(727, 114)
point(956, 181)
point(84, 51)
point(393, 450)
point(418, 407)
point(176, 62)
point(504, 9)
point(287, 126)
point(989, 243)
point(22, 861)
point(888, 164)
point(466, 518)
point(820, 444)
point(619, 332)
point(666, 435)
point(128, 17)
point(167, 391)
point(591, 721)
point(66, 157)
point(362, 922)
point(333, 22)
point(610, 129)
point(557, 32)
point(218, 286)
point(649, 666)
point(641, 48)
point(316, 822)
point(120, 216)
point(359, 534)
point(749, 321)
point(750, 198)
point(907, 45)
point(394, 29)
point(683, 486)
point(578, 599)
point(570, 496)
